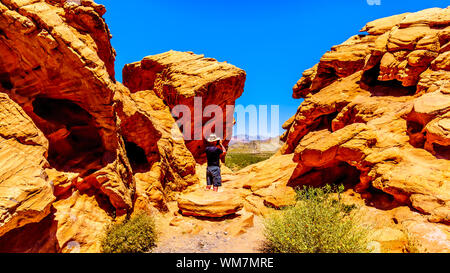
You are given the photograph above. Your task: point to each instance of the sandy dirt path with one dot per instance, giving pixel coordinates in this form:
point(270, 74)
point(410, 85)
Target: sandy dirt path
point(180, 234)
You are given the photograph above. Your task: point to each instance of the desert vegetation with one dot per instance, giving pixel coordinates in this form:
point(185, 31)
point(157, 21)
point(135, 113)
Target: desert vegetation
point(238, 160)
point(135, 235)
point(318, 223)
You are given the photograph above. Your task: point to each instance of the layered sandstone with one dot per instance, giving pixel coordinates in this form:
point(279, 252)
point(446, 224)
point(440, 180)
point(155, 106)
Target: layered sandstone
point(178, 78)
point(258, 189)
point(58, 65)
point(78, 148)
point(79, 151)
point(209, 203)
point(26, 195)
point(375, 115)
point(159, 158)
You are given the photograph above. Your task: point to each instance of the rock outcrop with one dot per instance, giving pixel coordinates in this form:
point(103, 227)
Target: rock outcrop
point(210, 204)
point(26, 195)
point(79, 150)
point(375, 115)
point(58, 65)
point(178, 78)
point(155, 147)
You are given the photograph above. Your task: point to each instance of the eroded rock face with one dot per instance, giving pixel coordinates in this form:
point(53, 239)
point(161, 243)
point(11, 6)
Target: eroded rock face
point(178, 77)
point(85, 148)
point(155, 147)
point(66, 65)
point(61, 131)
point(375, 115)
point(81, 220)
point(78, 148)
point(26, 194)
point(209, 203)
point(58, 65)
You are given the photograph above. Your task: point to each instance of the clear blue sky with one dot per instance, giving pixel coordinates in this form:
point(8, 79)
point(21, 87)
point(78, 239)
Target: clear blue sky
point(273, 41)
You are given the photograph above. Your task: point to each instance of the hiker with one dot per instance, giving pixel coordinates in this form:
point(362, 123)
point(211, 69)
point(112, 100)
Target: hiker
point(215, 151)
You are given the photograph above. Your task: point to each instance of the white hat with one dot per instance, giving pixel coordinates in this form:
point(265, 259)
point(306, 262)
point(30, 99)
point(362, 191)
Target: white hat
point(213, 138)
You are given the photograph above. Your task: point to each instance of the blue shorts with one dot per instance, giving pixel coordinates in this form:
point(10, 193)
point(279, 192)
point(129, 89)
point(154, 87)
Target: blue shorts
point(213, 176)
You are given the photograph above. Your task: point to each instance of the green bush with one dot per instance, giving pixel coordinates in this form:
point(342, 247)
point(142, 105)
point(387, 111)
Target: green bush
point(238, 161)
point(318, 223)
point(136, 235)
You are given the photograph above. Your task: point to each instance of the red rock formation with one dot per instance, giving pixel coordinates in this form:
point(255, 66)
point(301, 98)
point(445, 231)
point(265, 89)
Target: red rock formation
point(155, 147)
point(209, 204)
point(58, 65)
point(178, 77)
point(375, 115)
point(77, 148)
point(25, 193)
point(85, 147)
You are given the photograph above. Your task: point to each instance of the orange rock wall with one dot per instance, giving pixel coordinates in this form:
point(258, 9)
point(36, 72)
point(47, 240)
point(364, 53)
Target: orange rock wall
point(376, 109)
point(79, 150)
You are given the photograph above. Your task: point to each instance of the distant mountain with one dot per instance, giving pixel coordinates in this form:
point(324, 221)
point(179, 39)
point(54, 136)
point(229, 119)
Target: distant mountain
point(254, 144)
point(247, 139)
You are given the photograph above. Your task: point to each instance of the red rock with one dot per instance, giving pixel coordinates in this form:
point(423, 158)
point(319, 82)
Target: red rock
point(209, 203)
point(26, 194)
point(240, 227)
point(377, 120)
point(178, 77)
point(58, 65)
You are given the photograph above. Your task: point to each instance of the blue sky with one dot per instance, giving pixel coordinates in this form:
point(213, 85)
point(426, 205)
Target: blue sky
point(273, 41)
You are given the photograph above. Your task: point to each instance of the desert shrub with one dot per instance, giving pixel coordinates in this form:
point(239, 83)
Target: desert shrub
point(238, 161)
point(135, 235)
point(318, 223)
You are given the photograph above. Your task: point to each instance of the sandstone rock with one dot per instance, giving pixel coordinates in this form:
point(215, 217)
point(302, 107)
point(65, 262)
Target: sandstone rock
point(81, 221)
point(146, 107)
point(26, 194)
point(428, 237)
point(160, 160)
point(434, 17)
point(58, 65)
point(176, 221)
point(240, 227)
point(262, 175)
point(438, 136)
point(63, 66)
point(383, 25)
point(391, 240)
point(399, 229)
point(375, 119)
point(77, 148)
point(255, 205)
point(63, 183)
point(374, 247)
point(264, 186)
point(209, 203)
point(277, 195)
point(178, 77)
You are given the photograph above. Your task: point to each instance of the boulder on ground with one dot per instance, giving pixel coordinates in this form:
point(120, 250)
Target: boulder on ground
point(210, 203)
